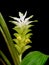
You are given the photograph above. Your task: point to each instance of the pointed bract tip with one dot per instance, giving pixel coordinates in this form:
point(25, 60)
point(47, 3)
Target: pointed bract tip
point(26, 12)
point(20, 14)
point(35, 20)
point(10, 16)
point(31, 16)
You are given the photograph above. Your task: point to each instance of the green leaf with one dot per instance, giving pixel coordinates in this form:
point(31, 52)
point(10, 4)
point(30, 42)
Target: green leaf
point(4, 58)
point(34, 58)
point(5, 32)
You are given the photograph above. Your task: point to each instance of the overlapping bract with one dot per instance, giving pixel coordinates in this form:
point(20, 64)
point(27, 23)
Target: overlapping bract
point(23, 32)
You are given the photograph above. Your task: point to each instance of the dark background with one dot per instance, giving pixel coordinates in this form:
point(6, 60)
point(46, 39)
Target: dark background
point(40, 39)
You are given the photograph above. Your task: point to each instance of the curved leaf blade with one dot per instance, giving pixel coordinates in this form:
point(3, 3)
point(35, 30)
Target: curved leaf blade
point(34, 58)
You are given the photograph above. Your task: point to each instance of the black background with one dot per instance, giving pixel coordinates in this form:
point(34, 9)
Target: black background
point(40, 39)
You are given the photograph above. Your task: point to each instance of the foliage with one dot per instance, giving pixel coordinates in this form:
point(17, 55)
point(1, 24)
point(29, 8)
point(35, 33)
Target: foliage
point(22, 39)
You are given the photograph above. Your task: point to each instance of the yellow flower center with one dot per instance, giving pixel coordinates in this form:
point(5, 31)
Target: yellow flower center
point(27, 40)
point(19, 38)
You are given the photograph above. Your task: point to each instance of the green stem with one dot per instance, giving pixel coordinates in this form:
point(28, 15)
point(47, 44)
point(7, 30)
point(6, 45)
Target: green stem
point(5, 32)
point(4, 58)
point(8, 45)
point(2, 61)
point(20, 58)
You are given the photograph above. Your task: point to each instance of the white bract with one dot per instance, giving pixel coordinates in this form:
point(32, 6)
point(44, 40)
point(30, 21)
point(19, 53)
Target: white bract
point(22, 20)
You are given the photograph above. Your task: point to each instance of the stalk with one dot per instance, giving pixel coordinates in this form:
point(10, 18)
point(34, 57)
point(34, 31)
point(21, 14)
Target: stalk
point(4, 58)
point(5, 32)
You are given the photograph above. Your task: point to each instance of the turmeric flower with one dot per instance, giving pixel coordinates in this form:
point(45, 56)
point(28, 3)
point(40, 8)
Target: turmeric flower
point(23, 32)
